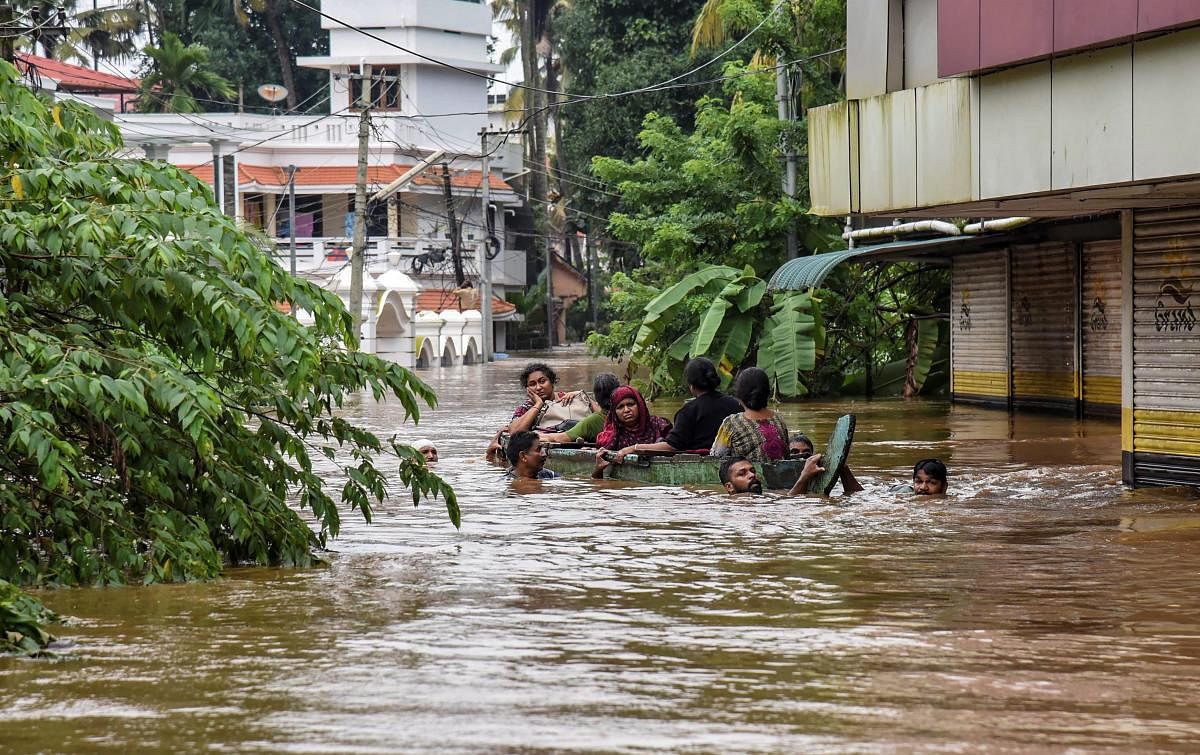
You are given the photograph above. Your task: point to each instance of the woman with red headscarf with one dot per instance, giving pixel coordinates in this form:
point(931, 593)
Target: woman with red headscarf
point(630, 422)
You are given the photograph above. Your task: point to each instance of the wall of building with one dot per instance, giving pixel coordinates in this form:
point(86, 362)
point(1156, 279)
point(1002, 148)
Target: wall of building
point(1098, 118)
point(981, 34)
point(920, 42)
point(458, 15)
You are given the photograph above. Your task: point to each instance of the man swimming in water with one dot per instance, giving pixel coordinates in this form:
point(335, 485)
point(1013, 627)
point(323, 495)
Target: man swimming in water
point(738, 475)
point(929, 478)
point(427, 449)
point(527, 457)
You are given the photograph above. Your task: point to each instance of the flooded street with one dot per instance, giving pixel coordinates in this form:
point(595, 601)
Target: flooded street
point(1040, 608)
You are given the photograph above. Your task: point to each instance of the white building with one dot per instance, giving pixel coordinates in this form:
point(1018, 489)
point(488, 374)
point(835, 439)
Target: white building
point(418, 107)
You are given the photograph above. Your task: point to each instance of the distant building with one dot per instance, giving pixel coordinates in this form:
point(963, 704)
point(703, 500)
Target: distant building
point(418, 107)
point(105, 92)
point(1067, 128)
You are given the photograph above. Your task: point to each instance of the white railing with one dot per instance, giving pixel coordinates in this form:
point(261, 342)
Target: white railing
point(330, 253)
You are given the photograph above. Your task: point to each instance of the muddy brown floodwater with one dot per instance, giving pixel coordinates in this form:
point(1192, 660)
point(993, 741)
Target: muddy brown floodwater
point(1040, 608)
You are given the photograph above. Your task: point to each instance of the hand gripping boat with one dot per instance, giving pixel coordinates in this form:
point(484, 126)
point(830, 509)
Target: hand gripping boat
point(667, 468)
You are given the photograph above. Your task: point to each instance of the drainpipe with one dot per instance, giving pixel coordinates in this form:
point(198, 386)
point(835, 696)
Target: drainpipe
point(936, 226)
point(901, 229)
point(1000, 224)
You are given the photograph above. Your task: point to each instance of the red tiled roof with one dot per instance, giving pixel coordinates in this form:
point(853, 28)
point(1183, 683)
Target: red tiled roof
point(345, 175)
point(440, 301)
point(72, 78)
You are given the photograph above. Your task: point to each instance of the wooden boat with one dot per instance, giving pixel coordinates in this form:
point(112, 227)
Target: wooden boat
point(665, 468)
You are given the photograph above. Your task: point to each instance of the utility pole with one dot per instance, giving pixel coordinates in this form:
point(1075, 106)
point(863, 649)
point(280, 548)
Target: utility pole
point(291, 169)
point(452, 222)
point(8, 33)
point(550, 328)
point(592, 283)
point(359, 243)
point(784, 108)
point(485, 260)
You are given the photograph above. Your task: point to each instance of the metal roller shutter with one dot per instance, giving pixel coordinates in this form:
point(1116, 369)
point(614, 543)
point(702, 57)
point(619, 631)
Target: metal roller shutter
point(979, 328)
point(1166, 347)
point(1043, 322)
point(1100, 327)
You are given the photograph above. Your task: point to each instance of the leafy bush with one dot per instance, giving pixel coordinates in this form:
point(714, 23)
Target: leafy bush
point(157, 410)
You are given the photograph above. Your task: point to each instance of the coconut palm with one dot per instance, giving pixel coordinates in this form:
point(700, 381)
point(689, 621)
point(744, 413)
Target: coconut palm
point(178, 76)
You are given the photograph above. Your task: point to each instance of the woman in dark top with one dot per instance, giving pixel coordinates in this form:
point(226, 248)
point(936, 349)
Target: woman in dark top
point(696, 422)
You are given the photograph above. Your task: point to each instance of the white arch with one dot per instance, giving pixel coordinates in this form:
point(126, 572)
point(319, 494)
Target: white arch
point(427, 357)
point(394, 330)
point(393, 317)
point(471, 354)
point(449, 353)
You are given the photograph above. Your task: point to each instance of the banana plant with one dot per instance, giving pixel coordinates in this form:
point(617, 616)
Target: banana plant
point(784, 336)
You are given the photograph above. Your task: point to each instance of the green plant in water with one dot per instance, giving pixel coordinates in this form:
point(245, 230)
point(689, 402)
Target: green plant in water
point(158, 412)
point(784, 337)
point(23, 621)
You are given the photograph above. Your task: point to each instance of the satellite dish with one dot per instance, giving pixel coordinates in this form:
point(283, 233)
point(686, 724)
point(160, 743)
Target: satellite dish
point(273, 92)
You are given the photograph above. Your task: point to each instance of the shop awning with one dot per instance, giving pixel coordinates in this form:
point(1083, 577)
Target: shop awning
point(809, 272)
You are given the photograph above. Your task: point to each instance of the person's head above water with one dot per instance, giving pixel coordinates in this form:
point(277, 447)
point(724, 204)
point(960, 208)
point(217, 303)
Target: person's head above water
point(752, 388)
point(539, 377)
point(701, 375)
point(738, 476)
point(525, 453)
point(929, 477)
point(426, 447)
point(603, 387)
point(800, 445)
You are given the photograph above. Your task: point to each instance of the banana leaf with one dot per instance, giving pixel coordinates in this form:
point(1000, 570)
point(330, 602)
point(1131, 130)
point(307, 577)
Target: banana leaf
point(653, 323)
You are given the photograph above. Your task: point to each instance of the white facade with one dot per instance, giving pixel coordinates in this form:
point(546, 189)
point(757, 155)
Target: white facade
point(409, 235)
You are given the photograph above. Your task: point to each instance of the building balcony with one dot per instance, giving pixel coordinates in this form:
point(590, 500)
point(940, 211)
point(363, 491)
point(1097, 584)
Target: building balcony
point(324, 256)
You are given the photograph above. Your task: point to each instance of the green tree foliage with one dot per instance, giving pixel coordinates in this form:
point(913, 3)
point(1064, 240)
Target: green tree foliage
point(723, 313)
point(618, 46)
point(158, 411)
point(178, 76)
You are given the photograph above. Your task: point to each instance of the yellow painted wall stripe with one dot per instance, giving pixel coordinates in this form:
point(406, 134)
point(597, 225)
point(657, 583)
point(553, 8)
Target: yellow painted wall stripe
point(1166, 432)
point(1049, 384)
point(976, 383)
point(1102, 389)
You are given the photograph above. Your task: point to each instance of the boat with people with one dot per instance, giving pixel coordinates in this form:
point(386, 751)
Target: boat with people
point(612, 434)
point(578, 460)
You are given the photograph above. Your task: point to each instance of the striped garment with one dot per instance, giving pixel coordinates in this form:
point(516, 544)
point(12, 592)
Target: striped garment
point(757, 439)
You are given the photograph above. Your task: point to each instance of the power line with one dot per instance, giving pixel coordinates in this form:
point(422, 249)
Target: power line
point(574, 98)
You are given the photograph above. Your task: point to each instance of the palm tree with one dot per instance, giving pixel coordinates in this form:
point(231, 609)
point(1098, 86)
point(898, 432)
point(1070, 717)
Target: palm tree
point(178, 76)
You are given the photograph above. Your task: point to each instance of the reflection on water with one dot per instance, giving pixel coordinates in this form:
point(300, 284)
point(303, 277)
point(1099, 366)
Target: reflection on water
point(1040, 607)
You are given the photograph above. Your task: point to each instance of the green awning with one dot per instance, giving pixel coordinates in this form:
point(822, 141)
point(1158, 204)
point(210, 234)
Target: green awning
point(809, 272)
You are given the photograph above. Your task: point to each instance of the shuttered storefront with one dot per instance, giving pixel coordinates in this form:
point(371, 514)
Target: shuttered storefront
point(979, 328)
point(1166, 348)
point(1043, 323)
point(1100, 327)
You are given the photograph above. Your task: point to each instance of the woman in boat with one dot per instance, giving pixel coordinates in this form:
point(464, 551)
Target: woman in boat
point(696, 422)
point(545, 407)
point(758, 433)
point(629, 422)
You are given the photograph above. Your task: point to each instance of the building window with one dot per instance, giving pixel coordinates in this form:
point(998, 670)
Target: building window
point(309, 220)
point(253, 210)
point(385, 88)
